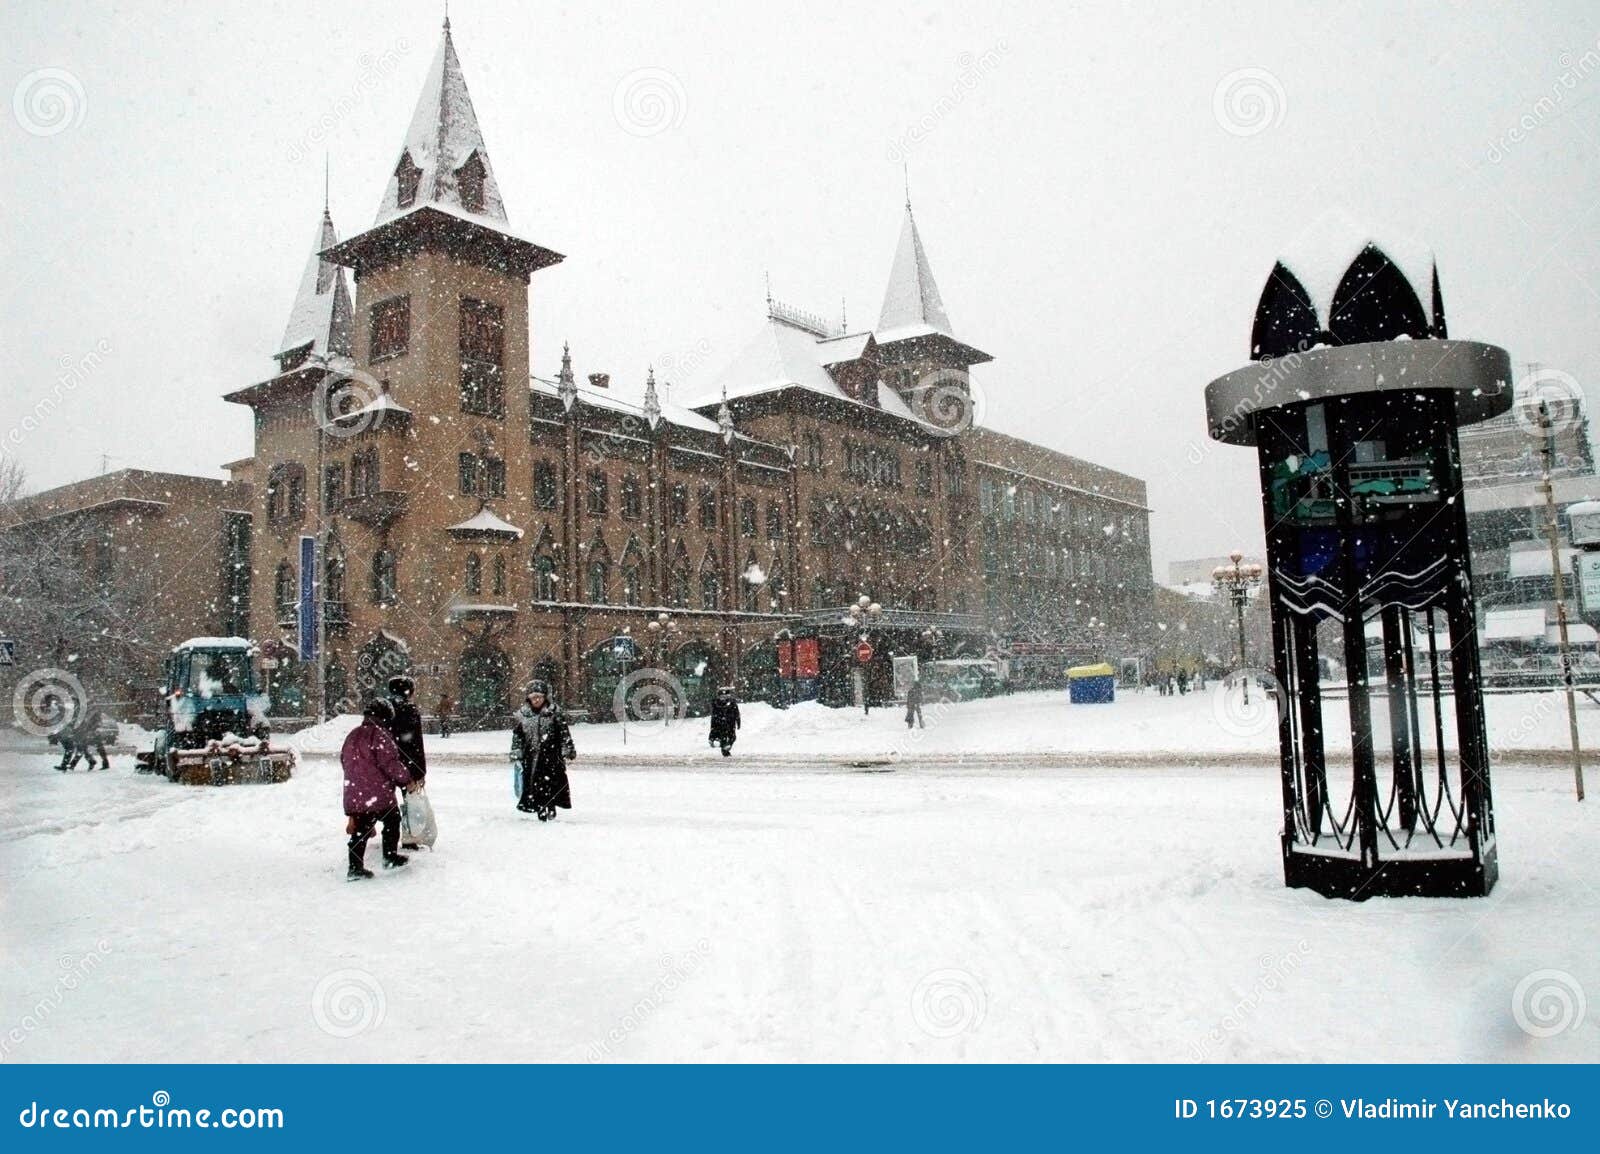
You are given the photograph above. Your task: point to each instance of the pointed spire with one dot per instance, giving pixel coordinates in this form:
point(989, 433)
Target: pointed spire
point(912, 298)
point(322, 315)
point(652, 403)
point(444, 161)
point(725, 418)
point(568, 384)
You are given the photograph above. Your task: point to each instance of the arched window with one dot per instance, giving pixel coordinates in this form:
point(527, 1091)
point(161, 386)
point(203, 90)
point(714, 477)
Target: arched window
point(710, 590)
point(407, 177)
point(679, 578)
point(632, 569)
point(474, 573)
point(470, 183)
point(500, 576)
point(385, 582)
point(544, 577)
point(284, 591)
point(747, 517)
point(599, 573)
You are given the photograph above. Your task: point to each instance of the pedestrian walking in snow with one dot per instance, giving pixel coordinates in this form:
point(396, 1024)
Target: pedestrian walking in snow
point(914, 704)
point(541, 746)
point(446, 706)
point(373, 770)
point(725, 719)
point(1183, 682)
point(82, 739)
point(406, 729)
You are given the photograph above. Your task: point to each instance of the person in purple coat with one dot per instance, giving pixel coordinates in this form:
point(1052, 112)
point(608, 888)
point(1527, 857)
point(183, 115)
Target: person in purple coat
point(372, 772)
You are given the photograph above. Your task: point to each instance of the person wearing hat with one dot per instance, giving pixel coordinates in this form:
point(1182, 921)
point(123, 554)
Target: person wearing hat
point(372, 772)
point(725, 719)
point(406, 729)
point(541, 744)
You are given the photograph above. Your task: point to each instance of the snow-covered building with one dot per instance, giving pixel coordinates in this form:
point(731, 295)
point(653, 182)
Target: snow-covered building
point(481, 526)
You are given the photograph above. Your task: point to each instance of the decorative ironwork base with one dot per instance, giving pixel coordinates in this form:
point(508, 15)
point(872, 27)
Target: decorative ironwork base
point(1346, 876)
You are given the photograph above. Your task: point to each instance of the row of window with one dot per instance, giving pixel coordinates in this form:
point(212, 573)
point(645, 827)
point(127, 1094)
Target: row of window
point(998, 499)
point(383, 586)
point(363, 480)
point(481, 345)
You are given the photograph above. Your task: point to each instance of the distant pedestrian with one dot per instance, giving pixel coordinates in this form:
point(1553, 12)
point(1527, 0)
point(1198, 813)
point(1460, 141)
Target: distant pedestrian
point(914, 704)
point(446, 707)
point(372, 772)
point(82, 739)
point(541, 746)
point(725, 719)
point(1183, 682)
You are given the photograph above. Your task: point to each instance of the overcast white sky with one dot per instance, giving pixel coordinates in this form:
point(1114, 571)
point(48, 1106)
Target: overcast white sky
point(1091, 221)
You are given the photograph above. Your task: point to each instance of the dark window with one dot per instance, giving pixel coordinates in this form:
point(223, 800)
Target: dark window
point(407, 177)
point(632, 498)
point(469, 183)
point(708, 507)
point(544, 577)
point(494, 477)
point(385, 580)
point(364, 473)
point(631, 585)
point(285, 591)
point(286, 493)
point(925, 478)
point(500, 576)
point(391, 329)
point(680, 504)
point(679, 583)
point(599, 577)
point(236, 576)
point(332, 488)
point(334, 607)
point(774, 522)
point(474, 573)
point(467, 473)
point(599, 493)
point(747, 517)
point(710, 589)
point(482, 344)
point(544, 485)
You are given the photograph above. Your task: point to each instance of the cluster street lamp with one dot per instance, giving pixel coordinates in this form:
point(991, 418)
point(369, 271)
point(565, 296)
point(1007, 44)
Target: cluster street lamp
point(862, 615)
point(1238, 580)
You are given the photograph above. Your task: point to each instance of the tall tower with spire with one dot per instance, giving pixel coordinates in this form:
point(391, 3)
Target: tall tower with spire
point(916, 340)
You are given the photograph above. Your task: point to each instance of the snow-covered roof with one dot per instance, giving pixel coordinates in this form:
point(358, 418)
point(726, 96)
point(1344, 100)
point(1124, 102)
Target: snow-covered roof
point(1322, 253)
point(1536, 562)
point(848, 347)
point(783, 357)
point(214, 643)
point(322, 315)
point(384, 402)
point(1513, 625)
point(672, 413)
point(444, 134)
point(1583, 508)
point(911, 300)
point(486, 522)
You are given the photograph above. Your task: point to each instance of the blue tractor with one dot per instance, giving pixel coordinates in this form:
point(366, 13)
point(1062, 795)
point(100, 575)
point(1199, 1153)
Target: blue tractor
point(214, 719)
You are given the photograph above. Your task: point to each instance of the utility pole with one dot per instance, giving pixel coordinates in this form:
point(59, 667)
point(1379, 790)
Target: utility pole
point(1553, 530)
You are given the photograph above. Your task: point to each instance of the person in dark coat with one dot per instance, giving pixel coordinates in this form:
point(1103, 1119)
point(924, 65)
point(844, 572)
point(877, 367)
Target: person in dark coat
point(541, 743)
point(82, 739)
point(372, 772)
point(406, 729)
point(446, 707)
point(725, 719)
point(914, 703)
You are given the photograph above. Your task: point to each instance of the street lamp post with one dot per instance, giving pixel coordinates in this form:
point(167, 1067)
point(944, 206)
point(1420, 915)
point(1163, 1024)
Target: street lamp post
point(1238, 580)
point(863, 615)
point(662, 627)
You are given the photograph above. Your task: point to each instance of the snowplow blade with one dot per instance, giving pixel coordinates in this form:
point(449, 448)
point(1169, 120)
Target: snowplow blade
point(202, 767)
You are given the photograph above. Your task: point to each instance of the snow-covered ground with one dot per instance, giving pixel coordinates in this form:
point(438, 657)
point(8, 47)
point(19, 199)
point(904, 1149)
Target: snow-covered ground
point(1017, 905)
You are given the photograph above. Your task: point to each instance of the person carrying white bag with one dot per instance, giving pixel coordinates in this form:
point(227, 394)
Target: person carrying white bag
point(417, 825)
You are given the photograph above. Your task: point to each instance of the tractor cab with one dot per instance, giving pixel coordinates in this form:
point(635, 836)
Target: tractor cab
point(214, 718)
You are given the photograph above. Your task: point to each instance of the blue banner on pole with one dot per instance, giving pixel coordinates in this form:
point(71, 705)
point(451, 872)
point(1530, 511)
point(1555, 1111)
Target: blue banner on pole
point(308, 599)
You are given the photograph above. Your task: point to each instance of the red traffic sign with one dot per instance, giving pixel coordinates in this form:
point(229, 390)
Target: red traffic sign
point(863, 652)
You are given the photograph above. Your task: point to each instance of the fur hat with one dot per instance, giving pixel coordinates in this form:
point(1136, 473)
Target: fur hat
point(402, 686)
point(378, 710)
